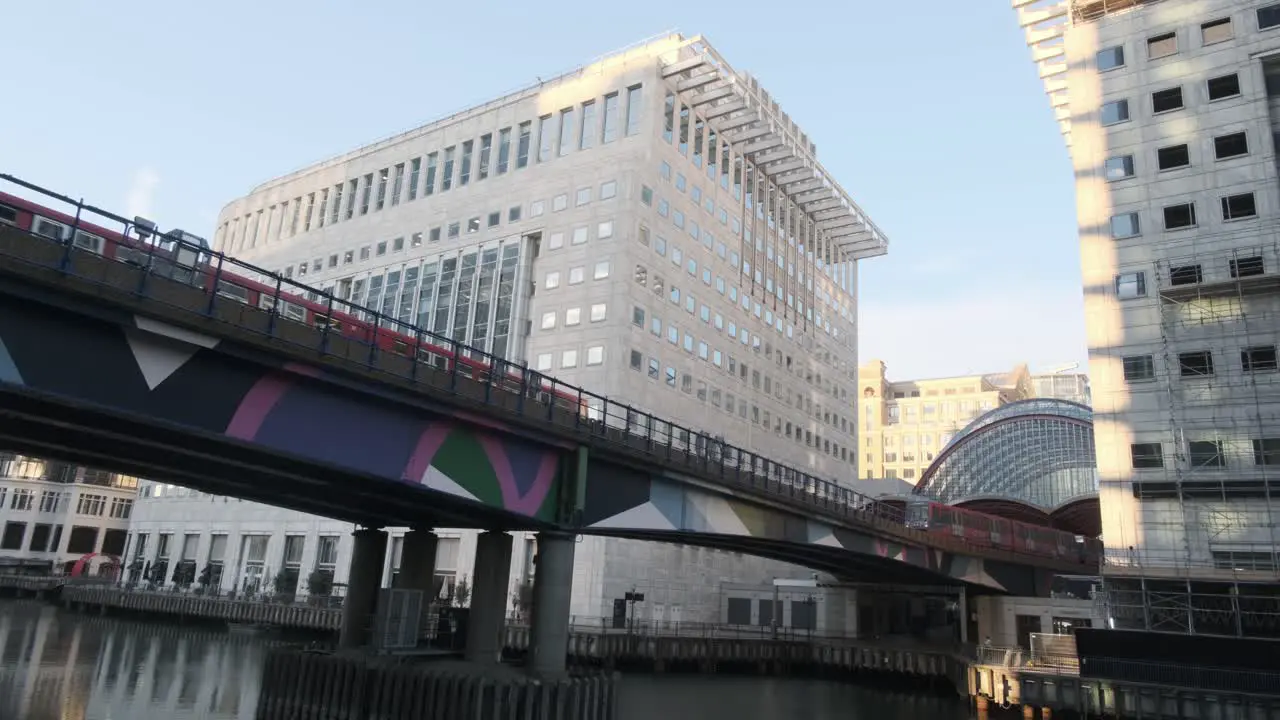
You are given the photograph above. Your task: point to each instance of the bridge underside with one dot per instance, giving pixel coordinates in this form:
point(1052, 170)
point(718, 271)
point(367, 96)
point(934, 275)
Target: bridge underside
point(846, 565)
point(35, 423)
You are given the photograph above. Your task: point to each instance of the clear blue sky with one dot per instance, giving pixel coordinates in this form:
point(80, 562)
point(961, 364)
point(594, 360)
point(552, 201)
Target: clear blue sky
point(931, 114)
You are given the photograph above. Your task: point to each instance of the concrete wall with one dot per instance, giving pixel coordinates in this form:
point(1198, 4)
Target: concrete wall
point(998, 616)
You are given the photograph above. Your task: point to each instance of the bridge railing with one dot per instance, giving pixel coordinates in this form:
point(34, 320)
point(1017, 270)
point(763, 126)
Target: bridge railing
point(182, 272)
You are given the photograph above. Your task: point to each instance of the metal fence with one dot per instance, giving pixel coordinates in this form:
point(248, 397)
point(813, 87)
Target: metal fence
point(178, 272)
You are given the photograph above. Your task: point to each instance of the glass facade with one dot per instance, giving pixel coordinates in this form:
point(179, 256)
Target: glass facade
point(1039, 452)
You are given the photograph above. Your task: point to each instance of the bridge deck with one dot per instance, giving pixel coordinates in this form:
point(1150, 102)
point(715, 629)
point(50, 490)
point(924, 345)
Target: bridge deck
point(52, 266)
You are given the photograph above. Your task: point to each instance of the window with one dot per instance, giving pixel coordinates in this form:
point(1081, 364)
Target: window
point(1111, 58)
point(1235, 207)
point(601, 270)
point(1131, 285)
point(579, 236)
point(536, 208)
point(553, 280)
point(1138, 368)
point(634, 108)
point(655, 368)
point(1258, 359)
point(587, 138)
point(1116, 111)
point(637, 360)
point(1228, 146)
point(548, 320)
point(600, 310)
point(646, 195)
point(546, 137)
point(1224, 87)
point(543, 362)
point(1119, 167)
point(1165, 100)
point(504, 150)
point(1185, 275)
point(569, 359)
point(1146, 456)
point(637, 316)
point(1172, 157)
point(1247, 266)
point(446, 175)
point(1195, 364)
point(555, 241)
point(595, 355)
point(1266, 451)
point(464, 165)
point(513, 214)
point(1162, 45)
point(486, 146)
point(415, 167)
point(608, 189)
point(1269, 16)
point(1180, 216)
point(494, 219)
point(1205, 453)
point(576, 275)
point(681, 183)
point(473, 225)
point(1125, 225)
point(572, 316)
point(583, 197)
point(609, 130)
point(566, 131)
point(1215, 31)
point(559, 202)
point(604, 230)
point(522, 145)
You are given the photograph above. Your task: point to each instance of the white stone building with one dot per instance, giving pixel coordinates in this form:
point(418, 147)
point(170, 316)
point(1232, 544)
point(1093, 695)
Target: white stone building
point(651, 227)
point(1169, 110)
point(53, 513)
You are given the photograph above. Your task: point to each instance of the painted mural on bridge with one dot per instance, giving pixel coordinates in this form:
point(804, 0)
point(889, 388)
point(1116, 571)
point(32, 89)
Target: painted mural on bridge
point(174, 375)
point(622, 499)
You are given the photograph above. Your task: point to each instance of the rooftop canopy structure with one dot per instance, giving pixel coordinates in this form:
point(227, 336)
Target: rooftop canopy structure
point(1031, 460)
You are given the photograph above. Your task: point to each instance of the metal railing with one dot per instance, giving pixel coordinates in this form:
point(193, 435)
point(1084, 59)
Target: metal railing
point(207, 289)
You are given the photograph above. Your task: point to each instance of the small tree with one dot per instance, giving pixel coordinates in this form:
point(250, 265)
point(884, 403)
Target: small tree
point(462, 594)
point(522, 599)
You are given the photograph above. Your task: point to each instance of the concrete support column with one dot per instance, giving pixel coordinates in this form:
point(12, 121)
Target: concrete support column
point(552, 587)
point(418, 563)
point(962, 609)
point(490, 576)
point(364, 581)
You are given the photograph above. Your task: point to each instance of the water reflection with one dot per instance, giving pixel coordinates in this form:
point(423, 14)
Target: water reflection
point(56, 665)
point(68, 667)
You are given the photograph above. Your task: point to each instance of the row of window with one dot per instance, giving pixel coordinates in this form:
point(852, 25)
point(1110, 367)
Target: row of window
point(1178, 156)
point(1133, 285)
point(746, 410)
point(1171, 99)
point(53, 501)
point(442, 170)
point(1200, 364)
point(608, 190)
point(569, 358)
point(1166, 44)
point(576, 275)
point(1181, 216)
point(597, 312)
point(1204, 454)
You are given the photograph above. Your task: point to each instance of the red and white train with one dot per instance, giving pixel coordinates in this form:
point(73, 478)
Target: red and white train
point(1002, 533)
point(181, 255)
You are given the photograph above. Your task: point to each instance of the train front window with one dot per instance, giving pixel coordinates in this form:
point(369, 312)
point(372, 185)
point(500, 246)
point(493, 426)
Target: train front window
point(92, 243)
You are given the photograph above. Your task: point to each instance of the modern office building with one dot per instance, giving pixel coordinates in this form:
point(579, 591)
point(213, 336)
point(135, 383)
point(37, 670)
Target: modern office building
point(53, 513)
point(906, 423)
point(650, 226)
point(1169, 111)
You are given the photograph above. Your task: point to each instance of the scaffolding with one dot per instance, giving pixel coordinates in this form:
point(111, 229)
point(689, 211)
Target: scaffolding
point(1218, 423)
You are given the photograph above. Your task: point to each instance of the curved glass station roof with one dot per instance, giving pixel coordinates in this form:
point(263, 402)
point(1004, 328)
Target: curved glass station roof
point(1038, 452)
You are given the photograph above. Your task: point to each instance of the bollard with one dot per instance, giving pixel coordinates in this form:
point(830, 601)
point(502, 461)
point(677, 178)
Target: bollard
point(1046, 712)
point(1028, 712)
point(983, 711)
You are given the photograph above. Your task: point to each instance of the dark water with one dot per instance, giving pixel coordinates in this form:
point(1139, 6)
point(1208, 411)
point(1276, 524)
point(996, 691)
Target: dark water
point(60, 666)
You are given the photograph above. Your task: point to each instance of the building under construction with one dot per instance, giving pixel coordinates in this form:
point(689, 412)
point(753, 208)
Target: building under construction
point(1170, 111)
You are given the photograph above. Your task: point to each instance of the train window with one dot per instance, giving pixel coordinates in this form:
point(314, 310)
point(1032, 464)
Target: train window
point(48, 228)
point(293, 312)
point(8, 215)
point(235, 292)
point(89, 242)
point(324, 322)
point(401, 347)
